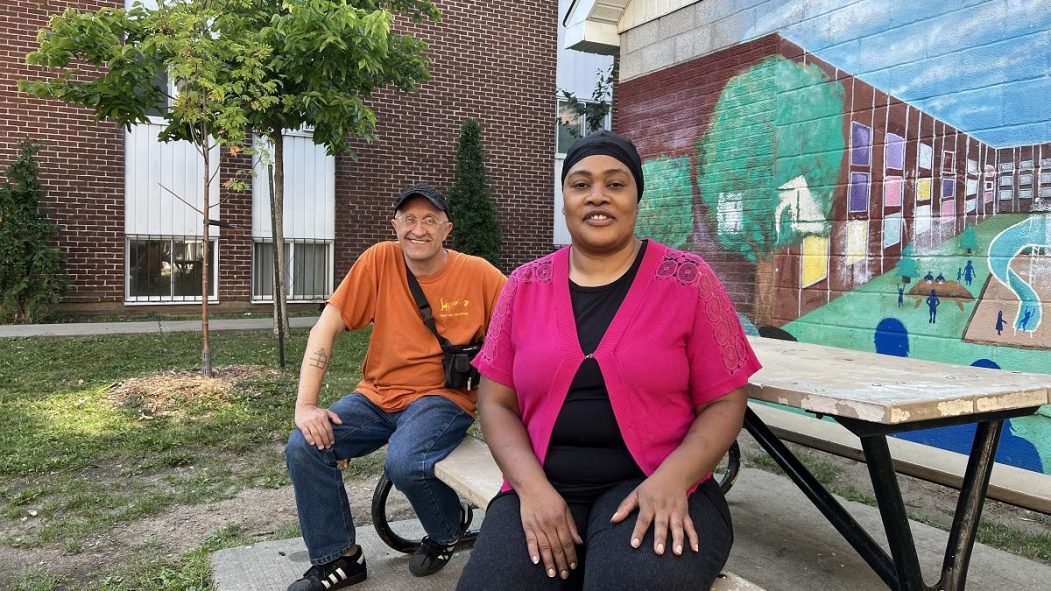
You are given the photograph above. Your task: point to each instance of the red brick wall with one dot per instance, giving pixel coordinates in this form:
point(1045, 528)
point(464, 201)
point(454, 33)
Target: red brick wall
point(81, 165)
point(491, 61)
point(494, 61)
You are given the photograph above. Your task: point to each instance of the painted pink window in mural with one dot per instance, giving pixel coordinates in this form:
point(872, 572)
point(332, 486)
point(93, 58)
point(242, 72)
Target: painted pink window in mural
point(859, 191)
point(894, 152)
point(860, 144)
point(892, 190)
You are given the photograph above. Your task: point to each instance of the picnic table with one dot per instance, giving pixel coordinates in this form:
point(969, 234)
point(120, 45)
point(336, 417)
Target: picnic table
point(877, 395)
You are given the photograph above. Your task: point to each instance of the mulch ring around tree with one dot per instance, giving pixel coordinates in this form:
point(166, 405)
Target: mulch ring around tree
point(162, 393)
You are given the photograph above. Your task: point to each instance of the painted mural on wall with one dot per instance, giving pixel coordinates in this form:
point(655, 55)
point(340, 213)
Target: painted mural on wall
point(873, 219)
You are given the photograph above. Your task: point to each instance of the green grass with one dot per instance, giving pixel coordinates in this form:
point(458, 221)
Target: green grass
point(76, 463)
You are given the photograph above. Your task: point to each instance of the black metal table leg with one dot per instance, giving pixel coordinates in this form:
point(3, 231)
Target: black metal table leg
point(892, 512)
point(969, 507)
point(847, 526)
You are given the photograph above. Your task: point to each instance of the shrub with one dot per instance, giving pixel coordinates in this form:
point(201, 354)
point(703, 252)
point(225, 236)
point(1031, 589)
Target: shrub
point(32, 277)
point(475, 227)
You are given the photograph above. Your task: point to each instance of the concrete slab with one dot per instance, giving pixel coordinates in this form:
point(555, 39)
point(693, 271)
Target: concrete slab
point(271, 566)
point(782, 544)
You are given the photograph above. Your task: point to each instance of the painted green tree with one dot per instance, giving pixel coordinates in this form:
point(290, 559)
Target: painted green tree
point(969, 239)
point(476, 229)
point(908, 267)
point(666, 210)
point(769, 163)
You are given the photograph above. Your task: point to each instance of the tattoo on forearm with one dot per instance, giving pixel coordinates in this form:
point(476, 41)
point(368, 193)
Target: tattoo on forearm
point(320, 359)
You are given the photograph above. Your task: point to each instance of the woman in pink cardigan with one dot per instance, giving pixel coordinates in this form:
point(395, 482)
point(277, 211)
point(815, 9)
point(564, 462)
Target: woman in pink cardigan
point(613, 382)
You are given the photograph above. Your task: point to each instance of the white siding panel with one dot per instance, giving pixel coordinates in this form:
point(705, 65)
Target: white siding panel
point(152, 166)
point(310, 192)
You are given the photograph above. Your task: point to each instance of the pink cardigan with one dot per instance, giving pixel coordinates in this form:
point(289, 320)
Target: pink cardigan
point(674, 343)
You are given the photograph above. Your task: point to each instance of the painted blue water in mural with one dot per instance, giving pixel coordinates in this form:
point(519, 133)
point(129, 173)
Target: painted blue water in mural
point(972, 63)
point(1034, 232)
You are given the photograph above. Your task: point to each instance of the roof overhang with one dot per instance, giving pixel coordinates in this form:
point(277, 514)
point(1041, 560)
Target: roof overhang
point(593, 26)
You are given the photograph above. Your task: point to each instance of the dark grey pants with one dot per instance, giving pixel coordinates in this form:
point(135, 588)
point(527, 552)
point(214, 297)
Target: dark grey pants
point(500, 559)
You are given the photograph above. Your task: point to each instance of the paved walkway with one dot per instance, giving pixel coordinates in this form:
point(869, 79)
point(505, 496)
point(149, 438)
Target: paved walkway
point(782, 544)
point(74, 329)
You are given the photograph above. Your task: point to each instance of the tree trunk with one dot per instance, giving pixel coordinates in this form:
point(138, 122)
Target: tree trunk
point(277, 219)
point(765, 280)
point(206, 352)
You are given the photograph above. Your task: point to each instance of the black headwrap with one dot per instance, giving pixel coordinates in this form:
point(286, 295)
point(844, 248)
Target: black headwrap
point(606, 143)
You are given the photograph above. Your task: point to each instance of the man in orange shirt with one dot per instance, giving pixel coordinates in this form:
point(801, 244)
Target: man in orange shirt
point(402, 399)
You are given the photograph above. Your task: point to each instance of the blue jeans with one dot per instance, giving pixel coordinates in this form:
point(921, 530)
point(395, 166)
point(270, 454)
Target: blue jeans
point(417, 437)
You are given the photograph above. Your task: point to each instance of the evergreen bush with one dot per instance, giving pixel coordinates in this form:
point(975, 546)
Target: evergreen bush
point(32, 276)
point(476, 229)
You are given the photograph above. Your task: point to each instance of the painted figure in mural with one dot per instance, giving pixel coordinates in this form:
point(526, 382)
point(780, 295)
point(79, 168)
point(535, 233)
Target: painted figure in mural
point(929, 277)
point(901, 295)
point(932, 306)
point(968, 272)
point(891, 338)
point(622, 507)
point(1026, 315)
point(940, 278)
point(999, 322)
point(405, 399)
point(959, 274)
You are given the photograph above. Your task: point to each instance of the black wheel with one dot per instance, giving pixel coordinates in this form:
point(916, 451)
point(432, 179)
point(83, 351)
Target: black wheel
point(381, 522)
point(727, 470)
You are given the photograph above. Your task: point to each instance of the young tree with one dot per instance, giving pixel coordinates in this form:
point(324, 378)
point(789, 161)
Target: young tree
point(109, 59)
point(326, 57)
point(32, 276)
point(476, 229)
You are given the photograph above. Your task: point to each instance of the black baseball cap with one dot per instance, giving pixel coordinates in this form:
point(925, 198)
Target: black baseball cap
point(423, 190)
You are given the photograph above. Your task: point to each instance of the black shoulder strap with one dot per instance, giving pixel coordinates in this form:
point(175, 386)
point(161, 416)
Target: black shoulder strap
point(425, 307)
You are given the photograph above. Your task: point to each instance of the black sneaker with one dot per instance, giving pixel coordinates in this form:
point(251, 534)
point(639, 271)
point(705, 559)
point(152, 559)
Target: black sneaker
point(430, 557)
point(341, 572)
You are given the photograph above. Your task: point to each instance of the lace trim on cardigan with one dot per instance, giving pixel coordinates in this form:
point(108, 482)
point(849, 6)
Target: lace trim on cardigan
point(689, 270)
point(538, 271)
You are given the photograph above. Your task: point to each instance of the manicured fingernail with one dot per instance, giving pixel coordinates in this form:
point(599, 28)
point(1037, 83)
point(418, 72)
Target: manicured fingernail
point(660, 548)
point(565, 574)
point(573, 565)
point(551, 572)
point(696, 548)
point(536, 559)
point(635, 542)
point(678, 549)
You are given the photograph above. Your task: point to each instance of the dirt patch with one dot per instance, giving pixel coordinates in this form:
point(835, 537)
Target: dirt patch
point(162, 392)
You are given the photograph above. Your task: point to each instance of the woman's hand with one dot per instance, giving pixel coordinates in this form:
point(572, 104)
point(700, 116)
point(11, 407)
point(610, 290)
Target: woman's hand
point(550, 532)
point(661, 503)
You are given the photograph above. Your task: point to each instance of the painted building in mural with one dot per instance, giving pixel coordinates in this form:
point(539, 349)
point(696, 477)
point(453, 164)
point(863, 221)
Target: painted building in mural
point(867, 175)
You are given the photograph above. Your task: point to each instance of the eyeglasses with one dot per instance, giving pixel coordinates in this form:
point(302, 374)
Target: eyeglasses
point(409, 221)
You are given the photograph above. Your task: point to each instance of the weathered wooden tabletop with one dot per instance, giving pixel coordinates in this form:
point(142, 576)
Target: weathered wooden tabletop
point(883, 388)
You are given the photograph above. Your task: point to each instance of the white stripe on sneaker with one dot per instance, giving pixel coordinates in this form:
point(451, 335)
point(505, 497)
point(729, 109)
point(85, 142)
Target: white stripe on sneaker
point(341, 573)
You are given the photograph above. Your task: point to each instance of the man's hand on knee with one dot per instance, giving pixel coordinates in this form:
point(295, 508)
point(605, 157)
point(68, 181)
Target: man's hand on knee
point(316, 425)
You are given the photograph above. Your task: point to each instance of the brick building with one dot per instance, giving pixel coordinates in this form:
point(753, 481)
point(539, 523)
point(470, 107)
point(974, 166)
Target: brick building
point(131, 246)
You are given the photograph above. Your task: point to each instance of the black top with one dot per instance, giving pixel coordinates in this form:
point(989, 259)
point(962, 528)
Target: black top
point(587, 455)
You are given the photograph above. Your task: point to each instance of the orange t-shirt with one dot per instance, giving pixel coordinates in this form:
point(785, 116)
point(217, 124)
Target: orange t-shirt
point(404, 360)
